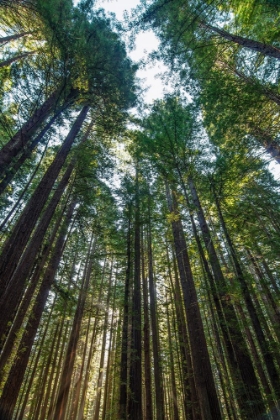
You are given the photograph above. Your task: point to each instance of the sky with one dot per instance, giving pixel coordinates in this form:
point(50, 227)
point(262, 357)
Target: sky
point(145, 43)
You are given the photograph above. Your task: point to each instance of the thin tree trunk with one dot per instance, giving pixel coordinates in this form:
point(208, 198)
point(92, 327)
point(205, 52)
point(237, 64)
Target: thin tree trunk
point(135, 395)
point(102, 358)
point(266, 353)
point(238, 354)
point(174, 397)
point(9, 38)
point(257, 46)
point(65, 380)
point(190, 397)
point(148, 415)
point(23, 308)
point(160, 415)
point(124, 379)
point(11, 60)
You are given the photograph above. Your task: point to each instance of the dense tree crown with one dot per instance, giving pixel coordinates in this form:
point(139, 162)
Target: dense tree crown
point(139, 251)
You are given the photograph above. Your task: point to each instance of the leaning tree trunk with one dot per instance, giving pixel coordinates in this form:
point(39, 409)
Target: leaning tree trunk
point(9, 38)
point(27, 151)
point(24, 305)
point(16, 286)
point(265, 49)
point(263, 344)
point(11, 60)
point(249, 395)
point(15, 244)
point(16, 374)
point(11, 149)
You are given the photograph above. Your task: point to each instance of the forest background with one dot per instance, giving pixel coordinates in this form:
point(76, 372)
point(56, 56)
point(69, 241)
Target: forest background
point(139, 265)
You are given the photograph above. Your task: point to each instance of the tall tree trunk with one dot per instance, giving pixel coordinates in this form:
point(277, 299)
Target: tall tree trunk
point(174, 397)
point(102, 358)
point(14, 381)
point(249, 395)
point(190, 397)
point(9, 38)
point(265, 49)
point(11, 60)
point(11, 149)
point(16, 286)
point(148, 415)
point(23, 308)
point(14, 246)
point(124, 379)
point(65, 380)
point(27, 151)
point(266, 353)
point(135, 395)
point(160, 415)
point(203, 376)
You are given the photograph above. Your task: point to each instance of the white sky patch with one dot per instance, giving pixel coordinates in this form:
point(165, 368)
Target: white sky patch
point(145, 43)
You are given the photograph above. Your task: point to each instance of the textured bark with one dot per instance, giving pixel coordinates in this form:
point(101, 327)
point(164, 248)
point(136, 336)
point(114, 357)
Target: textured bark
point(17, 322)
point(11, 60)
point(135, 395)
point(257, 46)
point(67, 371)
point(160, 415)
point(174, 397)
point(148, 409)
point(264, 346)
point(190, 398)
point(14, 246)
point(27, 151)
point(203, 375)
point(124, 346)
point(102, 358)
point(249, 396)
point(9, 38)
point(16, 374)
point(19, 140)
point(15, 288)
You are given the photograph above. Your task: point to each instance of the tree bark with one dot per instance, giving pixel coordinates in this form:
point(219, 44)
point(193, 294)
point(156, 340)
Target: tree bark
point(238, 355)
point(14, 246)
point(11, 149)
point(148, 415)
point(124, 379)
point(160, 415)
point(257, 46)
point(135, 395)
point(27, 151)
point(267, 355)
point(65, 380)
point(9, 38)
point(14, 290)
point(16, 375)
point(203, 376)
point(11, 60)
